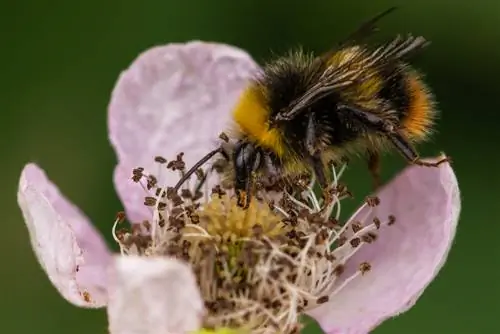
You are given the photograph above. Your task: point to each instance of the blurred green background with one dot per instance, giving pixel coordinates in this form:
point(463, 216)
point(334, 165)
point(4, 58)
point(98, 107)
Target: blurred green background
point(60, 60)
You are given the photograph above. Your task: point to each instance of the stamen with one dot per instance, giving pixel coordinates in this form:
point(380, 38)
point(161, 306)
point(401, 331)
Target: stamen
point(258, 268)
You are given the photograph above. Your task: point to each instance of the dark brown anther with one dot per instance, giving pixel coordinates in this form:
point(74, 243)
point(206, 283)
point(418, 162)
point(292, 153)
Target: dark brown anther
point(292, 234)
point(332, 223)
point(195, 219)
point(138, 170)
point(137, 174)
point(330, 257)
point(340, 189)
point(149, 201)
point(152, 181)
point(322, 300)
point(372, 236)
point(367, 238)
point(86, 297)
point(365, 267)
point(120, 216)
point(372, 201)
point(342, 240)
point(356, 227)
point(186, 193)
point(162, 205)
point(377, 222)
point(355, 242)
point(170, 192)
point(217, 190)
point(291, 221)
point(274, 274)
point(176, 212)
point(315, 219)
point(224, 137)
point(321, 237)
point(339, 270)
point(177, 200)
point(160, 160)
point(297, 328)
point(178, 163)
point(392, 220)
point(147, 225)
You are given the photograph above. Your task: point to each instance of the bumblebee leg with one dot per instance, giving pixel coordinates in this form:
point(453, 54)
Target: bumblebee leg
point(311, 135)
point(432, 164)
point(407, 150)
point(244, 184)
point(319, 170)
point(399, 141)
point(374, 168)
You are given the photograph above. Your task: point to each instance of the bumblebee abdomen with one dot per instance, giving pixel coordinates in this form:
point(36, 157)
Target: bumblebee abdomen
point(411, 100)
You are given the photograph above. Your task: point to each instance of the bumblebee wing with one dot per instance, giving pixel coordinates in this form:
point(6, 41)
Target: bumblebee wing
point(365, 30)
point(350, 68)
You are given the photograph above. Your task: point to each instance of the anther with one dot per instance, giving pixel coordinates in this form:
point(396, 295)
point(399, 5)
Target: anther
point(392, 220)
point(372, 201)
point(160, 160)
point(364, 267)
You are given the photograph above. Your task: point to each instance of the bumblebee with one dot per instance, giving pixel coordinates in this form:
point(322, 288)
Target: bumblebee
point(303, 111)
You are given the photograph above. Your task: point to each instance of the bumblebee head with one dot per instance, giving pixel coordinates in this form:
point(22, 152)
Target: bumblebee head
point(247, 159)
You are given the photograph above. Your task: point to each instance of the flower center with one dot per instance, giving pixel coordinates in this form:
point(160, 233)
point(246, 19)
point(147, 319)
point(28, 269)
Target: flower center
point(259, 268)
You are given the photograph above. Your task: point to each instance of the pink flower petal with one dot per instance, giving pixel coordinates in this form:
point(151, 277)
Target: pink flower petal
point(69, 249)
point(406, 256)
point(153, 295)
point(173, 98)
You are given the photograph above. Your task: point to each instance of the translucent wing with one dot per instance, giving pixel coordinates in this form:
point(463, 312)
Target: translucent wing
point(349, 69)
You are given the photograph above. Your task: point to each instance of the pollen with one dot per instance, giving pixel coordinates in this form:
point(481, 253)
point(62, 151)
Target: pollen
point(224, 218)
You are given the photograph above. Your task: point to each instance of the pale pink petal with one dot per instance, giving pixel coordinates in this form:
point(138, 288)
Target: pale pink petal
point(173, 98)
point(406, 256)
point(69, 249)
point(153, 295)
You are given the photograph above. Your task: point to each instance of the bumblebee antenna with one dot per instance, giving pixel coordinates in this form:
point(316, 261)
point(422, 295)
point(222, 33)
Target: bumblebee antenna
point(197, 165)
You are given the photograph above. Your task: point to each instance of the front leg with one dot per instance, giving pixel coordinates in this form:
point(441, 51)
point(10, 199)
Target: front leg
point(313, 156)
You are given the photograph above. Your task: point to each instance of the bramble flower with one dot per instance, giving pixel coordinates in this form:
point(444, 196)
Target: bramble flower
point(191, 262)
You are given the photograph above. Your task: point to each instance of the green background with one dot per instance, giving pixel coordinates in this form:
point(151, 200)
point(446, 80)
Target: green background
point(60, 60)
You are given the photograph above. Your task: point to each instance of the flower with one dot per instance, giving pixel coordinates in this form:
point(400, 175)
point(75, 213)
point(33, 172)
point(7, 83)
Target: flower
point(177, 98)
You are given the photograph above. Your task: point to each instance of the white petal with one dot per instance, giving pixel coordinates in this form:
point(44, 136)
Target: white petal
point(153, 296)
point(405, 258)
point(173, 98)
point(69, 249)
